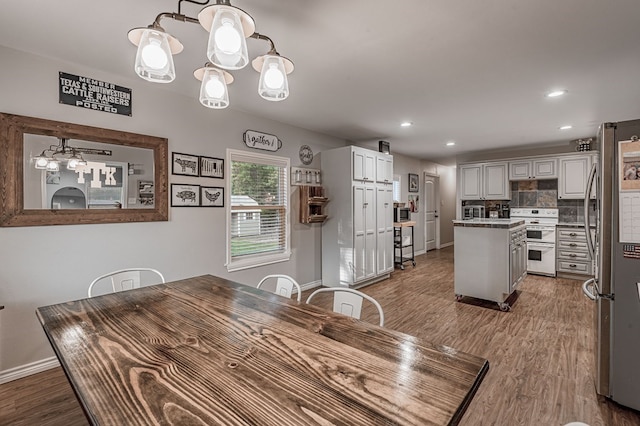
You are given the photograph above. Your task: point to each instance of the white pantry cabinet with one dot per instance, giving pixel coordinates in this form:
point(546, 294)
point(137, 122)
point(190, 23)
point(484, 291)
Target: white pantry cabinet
point(538, 168)
point(574, 173)
point(484, 181)
point(357, 237)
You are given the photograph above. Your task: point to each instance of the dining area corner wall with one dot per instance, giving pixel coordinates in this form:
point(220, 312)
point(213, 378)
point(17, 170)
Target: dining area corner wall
point(44, 265)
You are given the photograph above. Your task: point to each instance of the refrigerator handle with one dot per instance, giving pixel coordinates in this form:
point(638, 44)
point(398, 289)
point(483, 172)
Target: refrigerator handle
point(587, 198)
point(591, 282)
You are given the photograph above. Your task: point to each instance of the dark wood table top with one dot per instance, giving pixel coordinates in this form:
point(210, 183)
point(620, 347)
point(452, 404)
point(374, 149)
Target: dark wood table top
point(206, 350)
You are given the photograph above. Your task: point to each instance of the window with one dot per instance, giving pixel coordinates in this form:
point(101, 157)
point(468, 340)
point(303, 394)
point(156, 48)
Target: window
point(396, 188)
point(258, 210)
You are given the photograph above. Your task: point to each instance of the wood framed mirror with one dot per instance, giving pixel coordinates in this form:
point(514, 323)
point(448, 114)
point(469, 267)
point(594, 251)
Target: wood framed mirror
point(122, 176)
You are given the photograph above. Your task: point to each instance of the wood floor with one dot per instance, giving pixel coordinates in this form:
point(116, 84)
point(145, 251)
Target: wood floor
point(541, 353)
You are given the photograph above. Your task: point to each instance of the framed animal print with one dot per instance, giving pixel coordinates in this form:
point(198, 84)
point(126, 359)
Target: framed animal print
point(185, 195)
point(211, 167)
point(185, 164)
point(211, 196)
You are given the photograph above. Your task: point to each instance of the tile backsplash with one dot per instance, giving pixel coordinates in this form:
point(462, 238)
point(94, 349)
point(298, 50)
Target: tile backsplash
point(542, 194)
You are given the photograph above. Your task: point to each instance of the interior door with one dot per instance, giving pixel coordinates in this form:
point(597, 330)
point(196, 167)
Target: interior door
point(431, 212)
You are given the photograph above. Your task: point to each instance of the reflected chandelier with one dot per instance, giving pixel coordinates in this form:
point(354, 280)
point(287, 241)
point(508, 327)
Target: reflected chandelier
point(228, 28)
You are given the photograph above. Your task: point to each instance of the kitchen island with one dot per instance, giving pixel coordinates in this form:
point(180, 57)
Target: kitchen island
point(490, 258)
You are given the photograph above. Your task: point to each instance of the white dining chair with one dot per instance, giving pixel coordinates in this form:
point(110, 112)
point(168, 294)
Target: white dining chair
point(124, 279)
point(284, 285)
point(348, 301)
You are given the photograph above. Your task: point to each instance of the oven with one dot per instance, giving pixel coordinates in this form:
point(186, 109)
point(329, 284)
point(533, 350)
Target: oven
point(541, 258)
point(541, 233)
point(540, 225)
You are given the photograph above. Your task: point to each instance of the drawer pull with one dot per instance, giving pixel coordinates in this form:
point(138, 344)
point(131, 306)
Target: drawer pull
point(572, 245)
point(573, 234)
point(572, 265)
point(572, 255)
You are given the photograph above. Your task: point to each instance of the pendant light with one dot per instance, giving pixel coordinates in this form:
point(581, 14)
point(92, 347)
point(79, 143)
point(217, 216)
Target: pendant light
point(154, 58)
point(273, 69)
point(228, 28)
point(213, 90)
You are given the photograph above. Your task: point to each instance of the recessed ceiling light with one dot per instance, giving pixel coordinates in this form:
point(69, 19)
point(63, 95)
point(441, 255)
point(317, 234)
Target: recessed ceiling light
point(567, 127)
point(556, 93)
point(452, 143)
point(406, 124)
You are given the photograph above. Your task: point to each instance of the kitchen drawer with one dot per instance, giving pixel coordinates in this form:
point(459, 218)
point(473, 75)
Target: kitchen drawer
point(572, 235)
point(580, 256)
point(583, 268)
point(572, 245)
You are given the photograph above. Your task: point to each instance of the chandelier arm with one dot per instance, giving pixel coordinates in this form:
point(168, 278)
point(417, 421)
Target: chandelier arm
point(203, 3)
point(175, 16)
point(259, 36)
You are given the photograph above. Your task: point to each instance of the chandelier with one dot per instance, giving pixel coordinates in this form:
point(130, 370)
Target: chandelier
point(51, 158)
point(228, 28)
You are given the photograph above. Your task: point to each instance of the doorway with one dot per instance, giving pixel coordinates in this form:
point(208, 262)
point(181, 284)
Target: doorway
point(431, 209)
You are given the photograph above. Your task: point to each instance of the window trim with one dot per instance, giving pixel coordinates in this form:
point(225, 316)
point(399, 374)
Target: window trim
point(257, 259)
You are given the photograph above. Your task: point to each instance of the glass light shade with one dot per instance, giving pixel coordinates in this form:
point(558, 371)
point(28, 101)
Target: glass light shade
point(53, 165)
point(318, 177)
point(41, 162)
point(273, 85)
point(154, 61)
point(227, 45)
point(74, 162)
point(213, 90)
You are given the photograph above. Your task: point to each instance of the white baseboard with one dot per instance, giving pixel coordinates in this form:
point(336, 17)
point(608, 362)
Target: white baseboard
point(28, 369)
point(312, 284)
point(419, 252)
point(449, 244)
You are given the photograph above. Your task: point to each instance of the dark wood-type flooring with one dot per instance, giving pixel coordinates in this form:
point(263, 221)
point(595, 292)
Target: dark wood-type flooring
point(541, 353)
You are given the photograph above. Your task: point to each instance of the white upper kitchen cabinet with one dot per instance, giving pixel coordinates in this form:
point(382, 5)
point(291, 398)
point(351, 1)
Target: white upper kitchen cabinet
point(484, 181)
point(574, 173)
point(528, 169)
point(384, 168)
point(364, 164)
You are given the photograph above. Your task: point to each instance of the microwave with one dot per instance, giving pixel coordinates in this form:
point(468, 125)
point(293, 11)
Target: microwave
point(401, 214)
point(472, 212)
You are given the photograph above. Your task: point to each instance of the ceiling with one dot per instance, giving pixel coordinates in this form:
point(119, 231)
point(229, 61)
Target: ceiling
point(469, 71)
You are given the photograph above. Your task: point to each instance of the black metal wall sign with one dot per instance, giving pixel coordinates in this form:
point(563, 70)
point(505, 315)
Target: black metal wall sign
point(261, 140)
point(94, 94)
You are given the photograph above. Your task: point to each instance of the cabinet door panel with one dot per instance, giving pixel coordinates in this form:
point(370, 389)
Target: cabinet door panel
point(572, 181)
point(545, 169)
point(370, 232)
point(496, 182)
point(520, 170)
point(359, 228)
point(471, 182)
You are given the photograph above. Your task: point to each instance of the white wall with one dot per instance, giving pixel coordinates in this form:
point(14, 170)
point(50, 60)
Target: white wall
point(403, 165)
point(52, 264)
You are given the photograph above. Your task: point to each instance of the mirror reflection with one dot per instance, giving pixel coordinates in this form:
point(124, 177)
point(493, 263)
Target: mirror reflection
point(57, 173)
point(61, 173)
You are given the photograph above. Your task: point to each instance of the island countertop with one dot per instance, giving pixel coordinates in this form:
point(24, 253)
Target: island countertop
point(489, 223)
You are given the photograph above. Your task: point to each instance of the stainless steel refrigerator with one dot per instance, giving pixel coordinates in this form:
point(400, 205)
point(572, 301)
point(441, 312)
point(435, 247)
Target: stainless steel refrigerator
point(615, 248)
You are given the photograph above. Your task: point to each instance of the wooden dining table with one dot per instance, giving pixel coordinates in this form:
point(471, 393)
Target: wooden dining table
point(209, 351)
